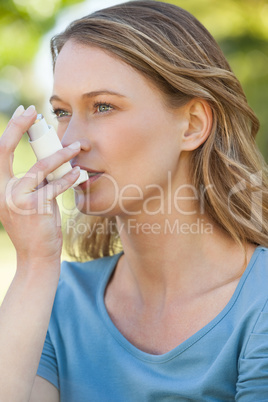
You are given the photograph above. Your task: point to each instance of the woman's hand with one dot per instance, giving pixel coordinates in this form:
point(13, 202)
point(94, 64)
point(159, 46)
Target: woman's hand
point(29, 213)
point(28, 207)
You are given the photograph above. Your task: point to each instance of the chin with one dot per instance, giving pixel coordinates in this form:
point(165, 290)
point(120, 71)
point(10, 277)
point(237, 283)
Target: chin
point(90, 204)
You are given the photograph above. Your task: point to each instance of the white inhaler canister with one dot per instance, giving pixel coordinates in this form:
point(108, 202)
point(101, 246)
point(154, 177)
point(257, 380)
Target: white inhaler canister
point(45, 142)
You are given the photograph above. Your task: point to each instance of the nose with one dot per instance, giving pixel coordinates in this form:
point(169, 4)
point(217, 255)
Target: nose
point(75, 132)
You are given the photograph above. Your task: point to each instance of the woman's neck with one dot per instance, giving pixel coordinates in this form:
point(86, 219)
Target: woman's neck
point(164, 255)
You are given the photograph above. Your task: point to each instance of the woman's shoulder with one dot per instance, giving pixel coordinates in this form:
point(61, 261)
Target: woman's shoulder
point(76, 276)
point(80, 288)
point(257, 269)
point(253, 359)
point(254, 282)
point(90, 267)
point(259, 260)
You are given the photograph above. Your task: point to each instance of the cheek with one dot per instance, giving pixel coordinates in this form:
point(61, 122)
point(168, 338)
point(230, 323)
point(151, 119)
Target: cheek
point(135, 133)
point(122, 142)
point(136, 144)
point(141, 157)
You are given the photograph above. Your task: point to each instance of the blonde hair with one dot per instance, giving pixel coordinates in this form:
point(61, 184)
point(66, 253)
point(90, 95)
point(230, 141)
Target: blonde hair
point(174, 50)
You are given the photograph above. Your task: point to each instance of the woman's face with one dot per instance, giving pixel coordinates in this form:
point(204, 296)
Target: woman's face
point(128, 135)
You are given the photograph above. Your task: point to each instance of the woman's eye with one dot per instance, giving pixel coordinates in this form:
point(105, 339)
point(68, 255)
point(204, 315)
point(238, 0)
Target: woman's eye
point(61, 113)
point(103, 107)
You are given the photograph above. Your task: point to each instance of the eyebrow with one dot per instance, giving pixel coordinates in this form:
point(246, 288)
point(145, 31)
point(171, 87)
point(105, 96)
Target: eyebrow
point(90, 95)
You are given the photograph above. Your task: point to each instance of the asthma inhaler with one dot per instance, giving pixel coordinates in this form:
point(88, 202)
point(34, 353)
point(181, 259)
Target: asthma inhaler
point(45, 142)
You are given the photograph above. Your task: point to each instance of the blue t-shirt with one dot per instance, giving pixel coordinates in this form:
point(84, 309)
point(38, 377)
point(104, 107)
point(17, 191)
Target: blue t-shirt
point(88, 359)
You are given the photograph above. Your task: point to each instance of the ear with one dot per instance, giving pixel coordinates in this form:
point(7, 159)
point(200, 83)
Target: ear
point(199, 116)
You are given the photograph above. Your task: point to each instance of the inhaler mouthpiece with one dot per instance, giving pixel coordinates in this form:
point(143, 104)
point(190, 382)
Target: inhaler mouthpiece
point(45, 142)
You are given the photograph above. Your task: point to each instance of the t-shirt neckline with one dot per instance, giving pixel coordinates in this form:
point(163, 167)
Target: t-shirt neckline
point(119, 337)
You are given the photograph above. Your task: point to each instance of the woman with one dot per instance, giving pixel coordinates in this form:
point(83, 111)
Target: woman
point(148, 105)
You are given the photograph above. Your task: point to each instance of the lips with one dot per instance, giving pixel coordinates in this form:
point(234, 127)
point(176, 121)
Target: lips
point(93, 175)
point(91, 172)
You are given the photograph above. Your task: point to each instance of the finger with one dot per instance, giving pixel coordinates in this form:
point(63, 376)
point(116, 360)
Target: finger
point(18, 112)
point(12, 135)
point(57, 187)
point(42, 168)
point(17, 126)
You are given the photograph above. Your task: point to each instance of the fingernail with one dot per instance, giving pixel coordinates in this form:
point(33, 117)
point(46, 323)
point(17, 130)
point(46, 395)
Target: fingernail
point(75, 170)
point(75, 145)
point(18, 112)
point(29, 111)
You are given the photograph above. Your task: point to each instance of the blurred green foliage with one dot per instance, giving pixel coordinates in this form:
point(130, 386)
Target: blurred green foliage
point(22, 24)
